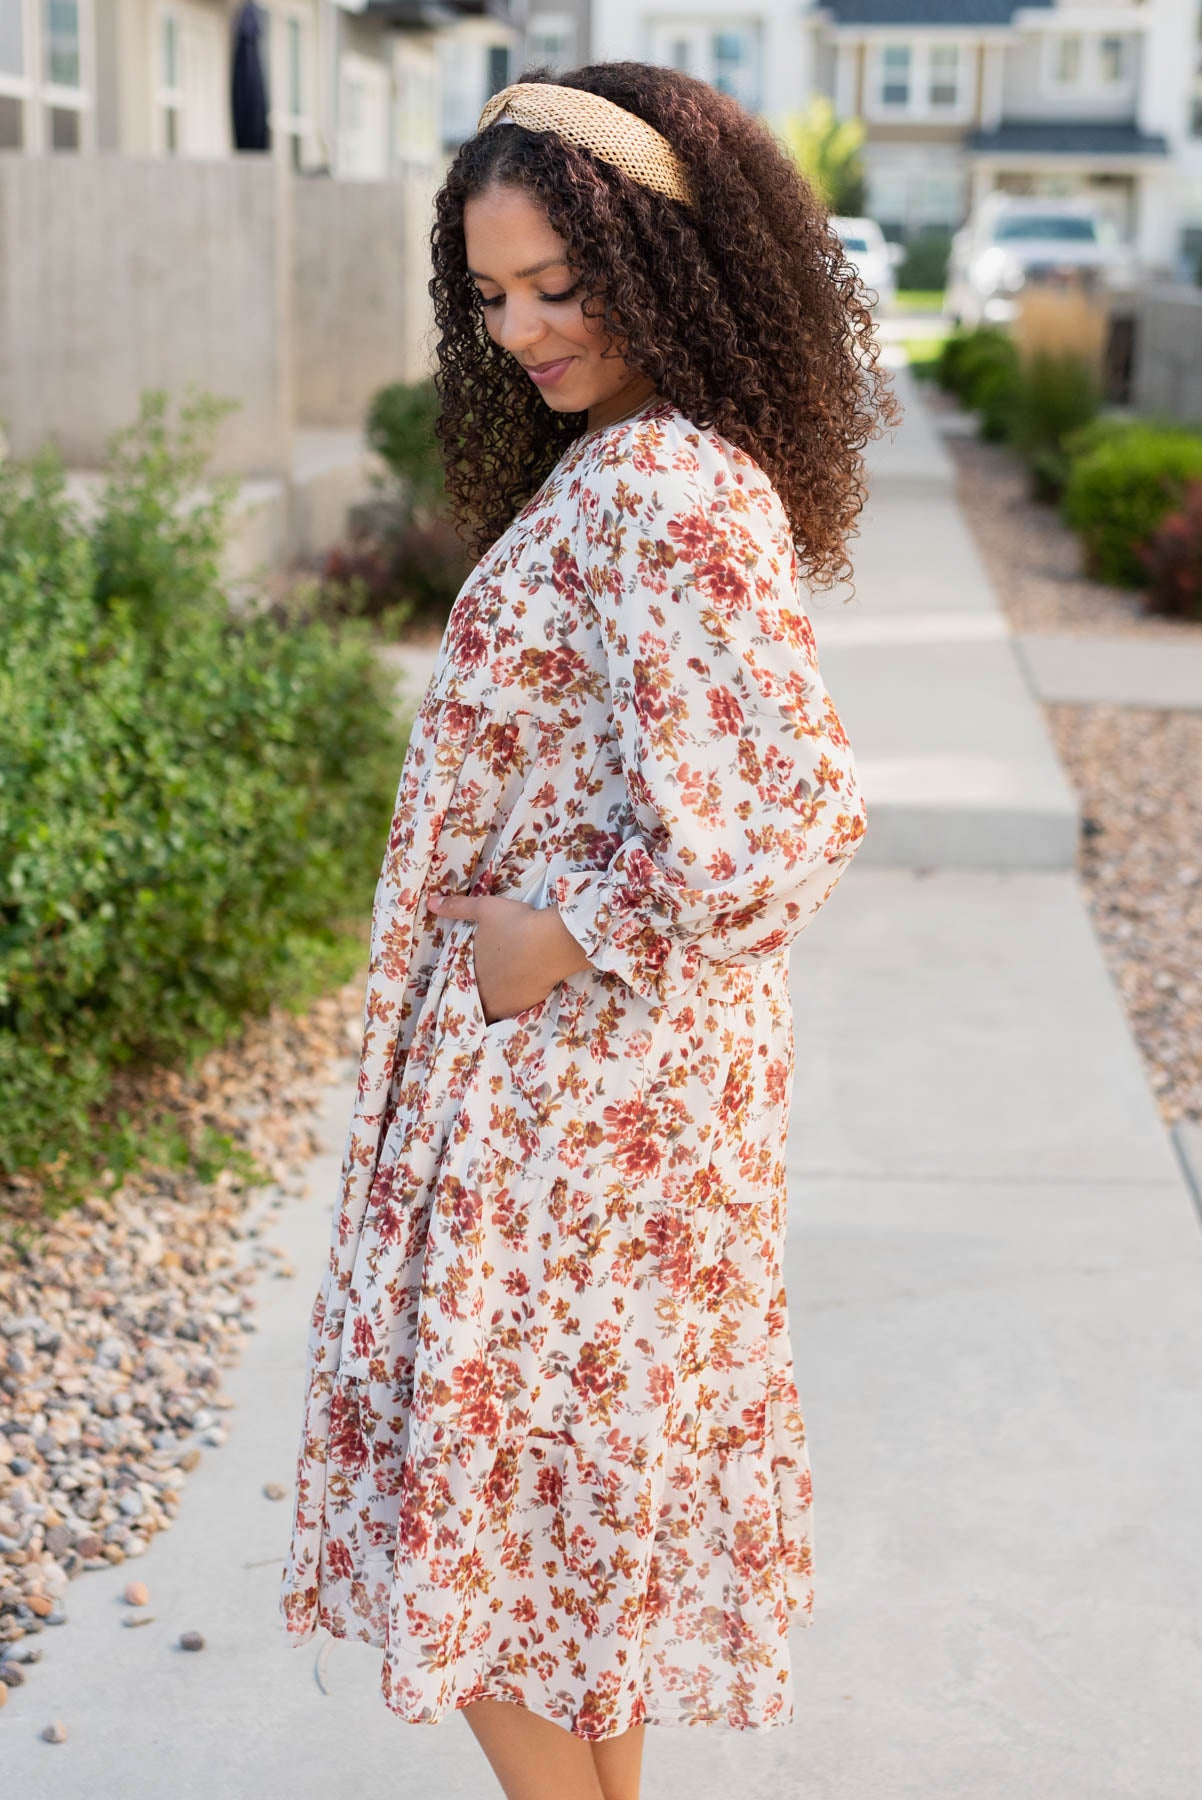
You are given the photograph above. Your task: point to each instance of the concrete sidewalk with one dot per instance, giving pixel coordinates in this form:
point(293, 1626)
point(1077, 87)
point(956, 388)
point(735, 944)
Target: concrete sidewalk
point(994, 1275)
point(1119, 670)
point(952, 750)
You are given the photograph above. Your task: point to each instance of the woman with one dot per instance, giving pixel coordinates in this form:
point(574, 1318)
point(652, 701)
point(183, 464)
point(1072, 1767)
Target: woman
point(552, 1457)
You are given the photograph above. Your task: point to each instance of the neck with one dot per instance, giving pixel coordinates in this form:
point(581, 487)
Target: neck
point(609, 411)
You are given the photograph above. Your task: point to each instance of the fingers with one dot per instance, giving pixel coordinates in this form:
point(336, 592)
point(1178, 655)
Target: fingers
point(455, 906)
point(469, 906)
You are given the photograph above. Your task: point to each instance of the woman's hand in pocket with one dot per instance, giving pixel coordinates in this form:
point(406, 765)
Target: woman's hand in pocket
point(520, 952)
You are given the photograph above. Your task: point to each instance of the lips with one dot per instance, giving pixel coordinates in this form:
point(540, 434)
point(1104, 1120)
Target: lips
point(548, 372)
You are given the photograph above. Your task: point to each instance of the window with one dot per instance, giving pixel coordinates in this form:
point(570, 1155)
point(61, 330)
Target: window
point(733, 56)
point(14, 85)
point(290, 81)
point(64, 128)
point(12, 39)
point(362, 118)
point(551, 39)
point(415, 133)
point(12, 123)
point(1086, 65)
point(498, 67)
point(729, 58)
point(943, 75)
point(171, 97)
point(62, 45)
point(295, 82)
point(1067, 61)
point(46, 61)
point(926, 79)
point(1112, 59)
point(895, 75)
point(65, 98)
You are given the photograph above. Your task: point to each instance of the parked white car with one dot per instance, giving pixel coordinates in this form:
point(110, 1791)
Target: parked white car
point(1015, 240)
point(875, 258)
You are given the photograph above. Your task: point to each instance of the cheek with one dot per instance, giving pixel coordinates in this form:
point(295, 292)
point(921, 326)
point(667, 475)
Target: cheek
point(586, 330)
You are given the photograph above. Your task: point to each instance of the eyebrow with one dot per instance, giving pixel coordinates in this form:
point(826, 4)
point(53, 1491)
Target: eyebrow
point(548, 262)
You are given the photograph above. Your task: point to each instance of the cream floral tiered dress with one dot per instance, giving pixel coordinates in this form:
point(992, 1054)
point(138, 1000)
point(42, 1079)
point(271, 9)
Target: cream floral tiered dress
point(551, 1448)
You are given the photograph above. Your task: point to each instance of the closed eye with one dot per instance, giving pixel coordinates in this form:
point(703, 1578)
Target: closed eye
point(496, 299)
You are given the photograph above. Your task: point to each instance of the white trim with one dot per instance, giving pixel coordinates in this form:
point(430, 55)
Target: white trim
point(1106, 21)
point(845, 80)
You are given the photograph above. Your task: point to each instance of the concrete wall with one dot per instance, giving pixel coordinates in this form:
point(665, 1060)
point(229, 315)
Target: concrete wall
point(1167, 367)
point(297, 296)
point(361, 309)
point(119, 274)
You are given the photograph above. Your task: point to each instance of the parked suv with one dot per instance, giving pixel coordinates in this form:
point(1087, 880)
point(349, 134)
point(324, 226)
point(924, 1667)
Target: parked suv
point(1013, 241)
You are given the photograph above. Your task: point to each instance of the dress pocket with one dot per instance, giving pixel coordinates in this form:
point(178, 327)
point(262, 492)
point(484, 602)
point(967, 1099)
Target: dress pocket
point(469, 982)
point(562, 1085)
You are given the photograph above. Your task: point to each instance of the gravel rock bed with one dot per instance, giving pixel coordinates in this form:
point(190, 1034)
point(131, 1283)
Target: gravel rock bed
point(1033, 557)
point(1135, 771)
point(118, 1317)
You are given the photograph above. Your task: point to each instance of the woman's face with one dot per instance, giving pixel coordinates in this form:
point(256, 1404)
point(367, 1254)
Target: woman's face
point(532, 308)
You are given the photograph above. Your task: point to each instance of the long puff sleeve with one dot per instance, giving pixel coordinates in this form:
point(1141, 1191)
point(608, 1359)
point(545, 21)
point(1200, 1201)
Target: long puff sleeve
point(744, 807)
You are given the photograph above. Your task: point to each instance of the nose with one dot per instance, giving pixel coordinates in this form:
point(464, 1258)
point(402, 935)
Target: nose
point(520, 327)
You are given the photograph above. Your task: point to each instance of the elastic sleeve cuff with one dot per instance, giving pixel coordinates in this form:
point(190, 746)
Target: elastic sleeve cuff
point(650, 962)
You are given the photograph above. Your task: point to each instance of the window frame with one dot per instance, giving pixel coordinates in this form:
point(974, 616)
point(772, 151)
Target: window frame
point(918, 107)
point(1090, 82)
point(293, 134)
point(168, 97)
point(39, 97)
point(665, 34)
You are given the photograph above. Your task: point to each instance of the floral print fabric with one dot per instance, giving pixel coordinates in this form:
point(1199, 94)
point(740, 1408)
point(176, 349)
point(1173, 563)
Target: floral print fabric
point(551, 1444)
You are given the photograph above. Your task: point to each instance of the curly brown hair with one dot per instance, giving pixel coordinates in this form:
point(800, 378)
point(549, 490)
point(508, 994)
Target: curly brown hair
point(742, 309)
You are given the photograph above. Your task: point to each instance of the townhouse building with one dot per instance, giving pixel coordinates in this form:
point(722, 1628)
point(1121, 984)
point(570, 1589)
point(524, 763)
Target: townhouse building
point(959, 97)
point(361, 88)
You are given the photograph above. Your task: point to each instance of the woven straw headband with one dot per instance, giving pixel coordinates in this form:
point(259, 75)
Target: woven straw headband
point(592, 122)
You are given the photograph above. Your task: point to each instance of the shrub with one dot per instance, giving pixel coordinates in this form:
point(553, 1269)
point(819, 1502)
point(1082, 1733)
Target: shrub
point(402, 561)
point(399, 570)
point(1116, 428)
point(925, 262)
point(191, 800)
point(1172, 558)
point(400, 429)
point(981, 367)
point(1120, 491)
point(1056, 395)
point(960, 349)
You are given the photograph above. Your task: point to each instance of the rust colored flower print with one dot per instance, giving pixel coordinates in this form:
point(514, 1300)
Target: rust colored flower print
point(552, 1449)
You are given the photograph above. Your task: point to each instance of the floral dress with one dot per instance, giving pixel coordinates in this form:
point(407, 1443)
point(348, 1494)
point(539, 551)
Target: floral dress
point(551, 1448)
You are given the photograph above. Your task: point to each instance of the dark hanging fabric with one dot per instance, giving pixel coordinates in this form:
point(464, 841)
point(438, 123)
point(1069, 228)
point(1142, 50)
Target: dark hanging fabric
point(248, 83)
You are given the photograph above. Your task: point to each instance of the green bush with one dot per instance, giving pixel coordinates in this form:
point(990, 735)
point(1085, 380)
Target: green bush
point(1119, 492)
point(402, 561)
point(192, 802)
point(981, 367)
point(400, 429)
point(1057, 394)
point(925, 262)
point(1116, 428)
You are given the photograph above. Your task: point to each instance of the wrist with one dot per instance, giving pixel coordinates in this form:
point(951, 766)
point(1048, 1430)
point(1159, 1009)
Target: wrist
point(565, 956)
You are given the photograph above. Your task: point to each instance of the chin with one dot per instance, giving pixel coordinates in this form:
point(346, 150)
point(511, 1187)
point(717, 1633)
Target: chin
point(560, 403)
